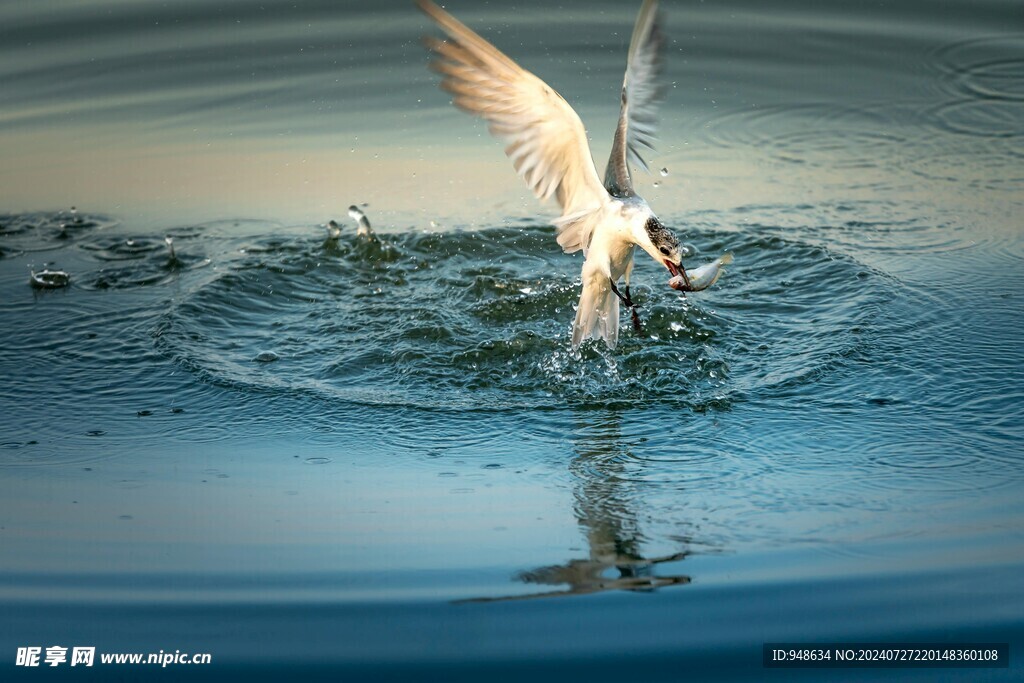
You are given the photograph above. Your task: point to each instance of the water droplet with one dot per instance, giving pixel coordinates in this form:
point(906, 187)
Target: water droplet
point(664, 172)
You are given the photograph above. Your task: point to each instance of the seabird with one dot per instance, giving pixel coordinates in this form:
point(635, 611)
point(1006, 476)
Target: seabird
point(547, 144)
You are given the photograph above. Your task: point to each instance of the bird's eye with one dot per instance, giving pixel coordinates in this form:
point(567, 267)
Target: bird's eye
point(665, 250)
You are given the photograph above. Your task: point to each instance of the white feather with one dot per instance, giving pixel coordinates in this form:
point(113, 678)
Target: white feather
point(546, 139)
point(597, 315)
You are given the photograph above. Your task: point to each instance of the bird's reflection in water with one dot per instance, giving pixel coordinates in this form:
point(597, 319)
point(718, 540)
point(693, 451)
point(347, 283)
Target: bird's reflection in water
point(604, 502)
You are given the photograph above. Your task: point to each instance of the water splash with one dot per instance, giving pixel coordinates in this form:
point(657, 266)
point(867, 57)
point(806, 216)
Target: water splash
point(333, 230)
point(49, 279)
point(362, 222)
point(481, 319)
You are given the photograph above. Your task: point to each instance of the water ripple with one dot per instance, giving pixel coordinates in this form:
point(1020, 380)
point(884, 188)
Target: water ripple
point(983, 77)
point(815, 135)
point(46, 231)
point(480, 320)
point(988, 68)
point(981, 118)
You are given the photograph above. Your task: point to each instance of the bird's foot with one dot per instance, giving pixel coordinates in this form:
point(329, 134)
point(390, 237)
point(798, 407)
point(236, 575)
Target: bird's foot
point(628, 301)
point(636, 321)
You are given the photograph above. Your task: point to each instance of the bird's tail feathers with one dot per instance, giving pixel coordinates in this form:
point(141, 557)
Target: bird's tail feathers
point(597, 315)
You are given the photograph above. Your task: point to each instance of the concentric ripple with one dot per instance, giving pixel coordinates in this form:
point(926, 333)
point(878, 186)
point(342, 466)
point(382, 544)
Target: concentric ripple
point(132, 262)
point(45, 231)
point(481, 320)
point(985, 80)
point(982, 118)
point(810, 134)
point(988, 68)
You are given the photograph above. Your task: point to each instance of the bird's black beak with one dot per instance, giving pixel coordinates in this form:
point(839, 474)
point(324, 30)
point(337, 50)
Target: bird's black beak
point(679, 270)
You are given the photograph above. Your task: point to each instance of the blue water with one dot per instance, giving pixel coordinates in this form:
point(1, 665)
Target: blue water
point(323, 458)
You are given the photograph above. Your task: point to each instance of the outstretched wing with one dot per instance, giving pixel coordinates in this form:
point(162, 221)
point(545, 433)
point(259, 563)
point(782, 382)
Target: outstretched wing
point(546, 139)
point(640, 94)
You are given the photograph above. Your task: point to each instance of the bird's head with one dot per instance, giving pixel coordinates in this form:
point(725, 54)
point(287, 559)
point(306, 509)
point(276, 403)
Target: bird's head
point(661, 244)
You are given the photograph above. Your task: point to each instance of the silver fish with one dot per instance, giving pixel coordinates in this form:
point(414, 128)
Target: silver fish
point(702, 277)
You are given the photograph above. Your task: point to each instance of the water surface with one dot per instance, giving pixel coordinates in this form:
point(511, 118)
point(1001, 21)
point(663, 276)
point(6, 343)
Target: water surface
point(335, 456)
